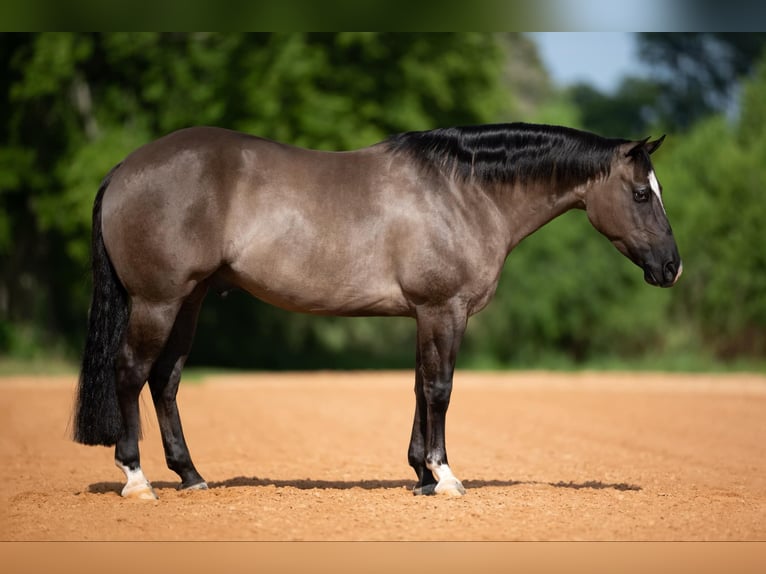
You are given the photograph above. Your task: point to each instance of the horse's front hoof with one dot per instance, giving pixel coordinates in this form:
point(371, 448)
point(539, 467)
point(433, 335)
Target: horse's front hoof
point(450, 487)
point(196, 486)
point(139, 492)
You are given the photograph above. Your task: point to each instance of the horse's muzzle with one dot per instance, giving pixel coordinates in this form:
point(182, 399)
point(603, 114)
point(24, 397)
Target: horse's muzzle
point(666, 277)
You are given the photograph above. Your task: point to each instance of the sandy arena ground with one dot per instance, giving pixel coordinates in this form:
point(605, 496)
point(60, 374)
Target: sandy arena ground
point(322, 456)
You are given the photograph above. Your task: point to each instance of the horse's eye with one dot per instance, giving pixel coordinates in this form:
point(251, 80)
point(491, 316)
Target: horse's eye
point(641, 194)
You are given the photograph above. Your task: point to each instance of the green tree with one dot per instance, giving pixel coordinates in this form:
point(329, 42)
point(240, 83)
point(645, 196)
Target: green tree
point(692, 75)
point(628, 113)
point(719, 173)
point(74, 104)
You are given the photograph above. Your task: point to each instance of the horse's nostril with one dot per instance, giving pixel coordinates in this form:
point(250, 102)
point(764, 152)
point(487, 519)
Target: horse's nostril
point(670, 270)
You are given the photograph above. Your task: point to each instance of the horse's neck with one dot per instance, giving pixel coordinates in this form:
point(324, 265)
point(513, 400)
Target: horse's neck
point(529, 207)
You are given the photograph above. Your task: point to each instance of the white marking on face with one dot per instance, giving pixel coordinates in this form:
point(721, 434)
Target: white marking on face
point(678, 273)
point(655, 185)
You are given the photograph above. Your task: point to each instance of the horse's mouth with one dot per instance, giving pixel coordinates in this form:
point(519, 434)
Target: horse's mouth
point(650, 278)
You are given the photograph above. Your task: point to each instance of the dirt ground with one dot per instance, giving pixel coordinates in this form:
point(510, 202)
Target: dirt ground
point(322, 456)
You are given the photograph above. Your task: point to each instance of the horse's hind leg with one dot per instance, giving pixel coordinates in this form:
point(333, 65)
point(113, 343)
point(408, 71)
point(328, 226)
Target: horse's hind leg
point(163, 382)
point(148, 330)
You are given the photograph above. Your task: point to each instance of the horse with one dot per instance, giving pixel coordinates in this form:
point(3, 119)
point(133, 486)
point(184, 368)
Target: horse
point(417, 225)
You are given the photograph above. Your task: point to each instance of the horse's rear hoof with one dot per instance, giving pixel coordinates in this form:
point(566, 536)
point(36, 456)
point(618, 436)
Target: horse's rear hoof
point(137, 486)
point(196, 486)
point(140, 492)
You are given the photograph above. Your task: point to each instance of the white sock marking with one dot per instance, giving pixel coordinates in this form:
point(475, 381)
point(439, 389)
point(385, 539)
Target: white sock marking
point(447, 482)
point(443, 472)
point(136, 482)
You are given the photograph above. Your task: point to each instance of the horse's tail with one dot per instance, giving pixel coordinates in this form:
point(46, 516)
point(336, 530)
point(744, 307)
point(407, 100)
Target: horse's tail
point(97, 418)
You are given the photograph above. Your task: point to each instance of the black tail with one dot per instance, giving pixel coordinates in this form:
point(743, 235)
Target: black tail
point(97, 418)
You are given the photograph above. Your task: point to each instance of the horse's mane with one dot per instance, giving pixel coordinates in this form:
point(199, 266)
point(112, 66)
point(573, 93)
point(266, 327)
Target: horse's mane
point(511, 153)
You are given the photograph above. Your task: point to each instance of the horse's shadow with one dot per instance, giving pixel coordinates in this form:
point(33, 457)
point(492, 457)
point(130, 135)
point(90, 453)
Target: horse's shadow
point(365, 484)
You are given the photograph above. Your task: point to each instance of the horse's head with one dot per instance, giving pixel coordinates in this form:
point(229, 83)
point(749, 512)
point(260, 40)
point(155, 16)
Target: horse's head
point(627, 207)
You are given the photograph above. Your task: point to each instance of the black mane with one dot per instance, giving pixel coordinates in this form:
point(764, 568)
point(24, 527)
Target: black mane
point(511, 153)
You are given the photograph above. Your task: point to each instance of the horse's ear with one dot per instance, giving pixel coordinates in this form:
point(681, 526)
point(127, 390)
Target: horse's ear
point(651, 147)
point(634, 148)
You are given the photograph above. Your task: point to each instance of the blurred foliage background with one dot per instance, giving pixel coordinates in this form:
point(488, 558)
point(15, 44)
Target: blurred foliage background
point(74, 104)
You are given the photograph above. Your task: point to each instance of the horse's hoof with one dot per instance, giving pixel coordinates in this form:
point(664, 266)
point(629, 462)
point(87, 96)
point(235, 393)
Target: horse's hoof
point(140, 492)
point(427, 490)
point(196, 486)
point(450, 487)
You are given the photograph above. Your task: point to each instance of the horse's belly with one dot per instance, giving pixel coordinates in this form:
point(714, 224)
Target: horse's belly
point(305, 288)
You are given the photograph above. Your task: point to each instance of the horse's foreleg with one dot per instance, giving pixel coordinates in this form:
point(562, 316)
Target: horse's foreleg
point(164, 381)
point(416, 454)
point(440, 332)
point(148, 329)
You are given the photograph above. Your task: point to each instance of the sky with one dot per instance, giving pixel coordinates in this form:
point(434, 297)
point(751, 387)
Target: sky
point(598, 58)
